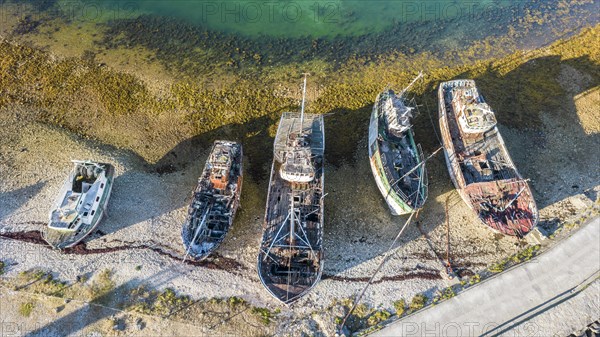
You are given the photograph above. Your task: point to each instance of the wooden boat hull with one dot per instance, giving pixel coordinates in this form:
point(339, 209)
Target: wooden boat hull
point(397, 203)
point(519, 215)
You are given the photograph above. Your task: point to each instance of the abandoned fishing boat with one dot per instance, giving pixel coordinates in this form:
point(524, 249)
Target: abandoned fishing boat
point(81, 204)
point(479, 164)
point(396, 160)
point(215, 200)
point(290, 260)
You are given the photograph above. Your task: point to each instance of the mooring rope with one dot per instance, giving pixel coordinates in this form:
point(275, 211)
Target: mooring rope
point(385, 257)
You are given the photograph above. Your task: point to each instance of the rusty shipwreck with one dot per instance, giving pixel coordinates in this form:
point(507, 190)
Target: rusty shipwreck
point(290, 260)
point(396, 159)
point(214, 201)
point(479, 164)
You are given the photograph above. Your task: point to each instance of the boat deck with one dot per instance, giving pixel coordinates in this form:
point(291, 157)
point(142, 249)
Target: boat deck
point(398, 159)
point(291, 262)
point(86, 206)
point(481, 158)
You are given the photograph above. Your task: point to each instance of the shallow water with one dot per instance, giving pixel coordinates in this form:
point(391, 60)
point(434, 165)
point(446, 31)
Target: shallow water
point(316, 18)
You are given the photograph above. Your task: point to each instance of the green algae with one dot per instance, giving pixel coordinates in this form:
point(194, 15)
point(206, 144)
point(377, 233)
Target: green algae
point(95, 100)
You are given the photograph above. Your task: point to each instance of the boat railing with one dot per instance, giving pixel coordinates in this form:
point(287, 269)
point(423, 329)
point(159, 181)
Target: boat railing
point(396, 188)
point(424, 178)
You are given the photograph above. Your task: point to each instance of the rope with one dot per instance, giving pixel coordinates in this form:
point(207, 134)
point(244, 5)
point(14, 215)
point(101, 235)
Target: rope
point(413, 169)
point(385, 257)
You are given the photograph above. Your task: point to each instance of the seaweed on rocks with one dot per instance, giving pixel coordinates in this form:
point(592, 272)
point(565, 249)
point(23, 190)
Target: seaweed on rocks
point(40, 5)
point(26, 25)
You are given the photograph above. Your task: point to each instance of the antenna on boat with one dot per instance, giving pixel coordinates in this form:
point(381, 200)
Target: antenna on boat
point(303, 100)
point(411, 83)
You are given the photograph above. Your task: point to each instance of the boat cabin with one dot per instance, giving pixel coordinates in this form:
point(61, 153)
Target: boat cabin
point(297, 142)
point(81, 197)
point(397, 115)
point(220, 162)
point(474, 115)
point(297, 167)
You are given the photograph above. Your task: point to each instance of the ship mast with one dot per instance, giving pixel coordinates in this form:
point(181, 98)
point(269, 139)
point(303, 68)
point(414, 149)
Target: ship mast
point(302, 108)
point(411, 83)
point(292, 221)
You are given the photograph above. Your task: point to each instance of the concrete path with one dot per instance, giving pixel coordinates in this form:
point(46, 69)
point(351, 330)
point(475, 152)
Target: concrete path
point(508, 301)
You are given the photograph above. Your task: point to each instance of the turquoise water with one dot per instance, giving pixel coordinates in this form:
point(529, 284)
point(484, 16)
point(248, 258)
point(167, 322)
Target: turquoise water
point(316, 18)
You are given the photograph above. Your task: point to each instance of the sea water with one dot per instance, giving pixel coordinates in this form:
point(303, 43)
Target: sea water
point(315, 18)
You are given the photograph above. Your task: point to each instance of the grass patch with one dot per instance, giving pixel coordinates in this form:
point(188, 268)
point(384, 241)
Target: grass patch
point(522, 256)
point(447, 293)
point(400, 306)
point(26, 308)
point(498, 267)
point(2, 266)
point(162, 303)
point(168, 301)
point(40, 282)
point(102, 286)
point(178, 307)
point(235, 301)
point(378, 317)
point(264, 314)
point(361, 310)
point(363, 317)
point(474, 279)
point(418, 302)
point(526, 254)
point(444, 294)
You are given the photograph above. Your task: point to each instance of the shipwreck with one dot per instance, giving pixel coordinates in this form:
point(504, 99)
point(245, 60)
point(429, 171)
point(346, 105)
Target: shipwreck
point(214, 201)
point(396, 159)
point(479, 164)
point(81, 204)
point(290, 260)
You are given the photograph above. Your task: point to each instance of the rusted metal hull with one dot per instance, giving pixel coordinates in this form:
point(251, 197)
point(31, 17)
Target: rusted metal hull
point(212, 210)
point(290, 260)
point(482, 170)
